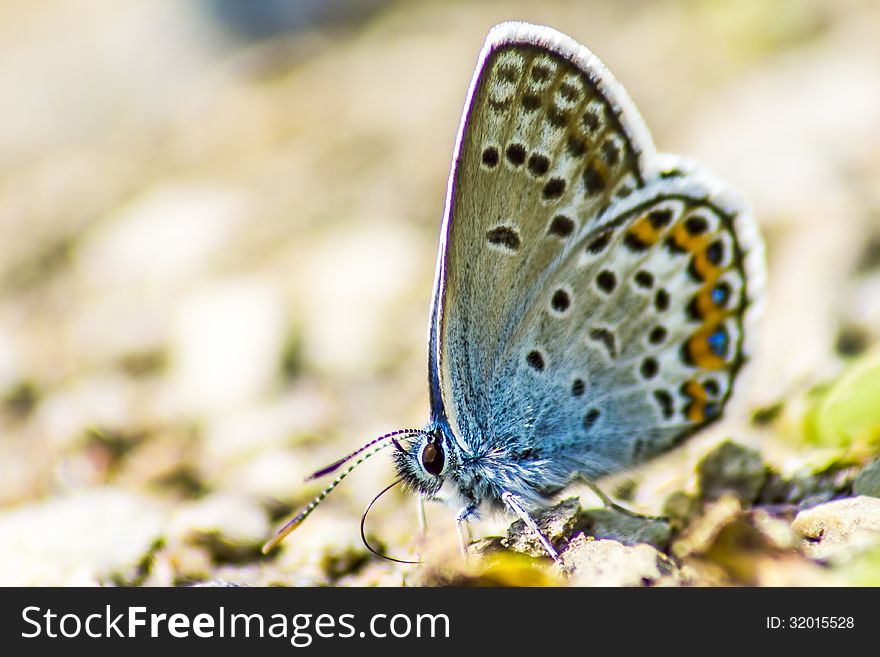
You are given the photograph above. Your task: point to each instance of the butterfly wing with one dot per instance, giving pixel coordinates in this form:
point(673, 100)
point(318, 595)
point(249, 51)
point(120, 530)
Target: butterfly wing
point(525, 214)
point(546, 332)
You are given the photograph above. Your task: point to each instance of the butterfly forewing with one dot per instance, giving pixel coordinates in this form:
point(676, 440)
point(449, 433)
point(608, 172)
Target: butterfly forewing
point(542, 152)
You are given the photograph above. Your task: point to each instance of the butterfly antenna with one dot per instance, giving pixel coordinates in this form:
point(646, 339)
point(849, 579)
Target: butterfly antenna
point(377, 446)
point(388, 436)
point(364, 521)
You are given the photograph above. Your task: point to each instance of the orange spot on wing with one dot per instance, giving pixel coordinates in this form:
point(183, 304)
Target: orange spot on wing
point(686, 241)
point(700, 353)
point(696, 245)
point(645, 231)
point(694, 390)
point(706, 308)
point(695, 411)
point(704, 267)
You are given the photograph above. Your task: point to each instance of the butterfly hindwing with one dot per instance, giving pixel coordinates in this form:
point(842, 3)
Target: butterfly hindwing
point(638, 349)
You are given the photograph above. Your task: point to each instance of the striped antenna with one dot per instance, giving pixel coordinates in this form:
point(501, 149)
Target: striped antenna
point(336, 464)
point(377, 446)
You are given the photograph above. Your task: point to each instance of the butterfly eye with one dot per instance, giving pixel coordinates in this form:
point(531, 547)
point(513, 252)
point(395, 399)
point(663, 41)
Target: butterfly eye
point(433, 459)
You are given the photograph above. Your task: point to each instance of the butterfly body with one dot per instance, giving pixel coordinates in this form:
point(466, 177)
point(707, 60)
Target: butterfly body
point(593, 298)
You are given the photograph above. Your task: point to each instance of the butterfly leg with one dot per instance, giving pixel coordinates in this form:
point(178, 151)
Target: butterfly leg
point(423, 519)
point(463, 526)
point(423, 526)
point(611, 504)
point(515, 506)
point(607, 501)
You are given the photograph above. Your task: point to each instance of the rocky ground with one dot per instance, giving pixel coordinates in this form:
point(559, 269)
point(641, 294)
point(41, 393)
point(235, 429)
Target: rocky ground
point(216, 275)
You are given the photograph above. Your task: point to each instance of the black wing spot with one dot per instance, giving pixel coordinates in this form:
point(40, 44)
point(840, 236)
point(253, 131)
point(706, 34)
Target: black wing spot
point(576, 146)
point(610, 153)
point(491, 157)
point(635, 243)
point(535, 360)
point(556, 117)
point(569, 92)
point(657, 335)
point(661, 300)
point(531, 102)
point(594, 183)
point(554, 189)
point(591, 418)
point(516, 154)
point(504, 236)
point(590, 121)
point(711, 387)
point(686, 354)
point(560, 226)
point(693, 310)
point(660, 218)
point(541, 72)
point(696, 225)
point(644, 279)
point(539, 165)
point(606, 281)
point(606, 337)
point(667, 406)
point(578, 387)
point(649, 368)
point(560, 301)
point(693, 272)
point(715, 253)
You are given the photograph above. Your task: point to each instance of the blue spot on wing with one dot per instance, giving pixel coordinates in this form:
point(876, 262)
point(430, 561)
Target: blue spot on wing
point(712, 410)
point(718, 342)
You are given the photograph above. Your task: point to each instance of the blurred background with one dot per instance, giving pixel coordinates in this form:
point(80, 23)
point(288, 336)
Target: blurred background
point(219, 226)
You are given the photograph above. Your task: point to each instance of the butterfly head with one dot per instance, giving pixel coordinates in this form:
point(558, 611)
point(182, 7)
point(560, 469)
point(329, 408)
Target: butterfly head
point(428, 461)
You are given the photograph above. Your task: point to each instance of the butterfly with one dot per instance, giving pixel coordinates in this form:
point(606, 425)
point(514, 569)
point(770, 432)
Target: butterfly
point(594, 300)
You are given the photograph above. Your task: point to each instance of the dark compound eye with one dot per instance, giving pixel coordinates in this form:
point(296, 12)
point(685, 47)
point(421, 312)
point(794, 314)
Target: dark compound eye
point(433, 458)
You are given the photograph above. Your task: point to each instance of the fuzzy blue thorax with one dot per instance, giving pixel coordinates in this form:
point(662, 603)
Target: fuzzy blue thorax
point(474, 480)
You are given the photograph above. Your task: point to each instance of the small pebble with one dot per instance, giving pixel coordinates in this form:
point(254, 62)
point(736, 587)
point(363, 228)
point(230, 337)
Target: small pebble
point(732, 468)
point(840, 528)
point(625, 528)
point(610, 563)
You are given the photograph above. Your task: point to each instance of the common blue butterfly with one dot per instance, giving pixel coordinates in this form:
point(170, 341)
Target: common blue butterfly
point(593, 299)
